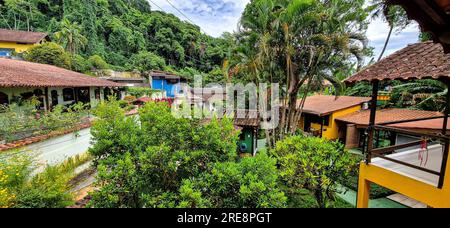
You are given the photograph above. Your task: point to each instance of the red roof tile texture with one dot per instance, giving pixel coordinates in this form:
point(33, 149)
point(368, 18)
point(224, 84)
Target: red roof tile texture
point(417, 61)
point(21, 36)
point(325, 105)
point(387, 116)
point(16, 73)
point(433, 124)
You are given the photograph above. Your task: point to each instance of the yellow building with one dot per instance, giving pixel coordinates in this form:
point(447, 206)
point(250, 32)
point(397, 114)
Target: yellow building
point(419, 170)
point(320, 113)
point(13, 41)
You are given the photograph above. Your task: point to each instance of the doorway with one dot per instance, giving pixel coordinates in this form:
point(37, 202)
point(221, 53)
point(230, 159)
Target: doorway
point(83, 95)
point(3, 99)
point(54, 97)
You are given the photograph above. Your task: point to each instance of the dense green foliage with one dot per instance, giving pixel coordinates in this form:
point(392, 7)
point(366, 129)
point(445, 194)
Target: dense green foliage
point(426, 94)
point(119, 31)
point(157, 160)
point(25, 184)
point(298, 44)
point(49, 53)
point(18, 122)
point(315, 164)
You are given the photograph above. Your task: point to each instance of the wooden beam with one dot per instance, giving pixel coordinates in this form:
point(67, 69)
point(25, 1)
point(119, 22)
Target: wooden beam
point(447, 143)
point(409, 165)
point(373, 113)
point(390, 149)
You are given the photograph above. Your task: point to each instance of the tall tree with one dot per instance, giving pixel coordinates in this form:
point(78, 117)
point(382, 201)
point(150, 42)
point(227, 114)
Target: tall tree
point(297, 43)
point(394, 15)
point(70, 36)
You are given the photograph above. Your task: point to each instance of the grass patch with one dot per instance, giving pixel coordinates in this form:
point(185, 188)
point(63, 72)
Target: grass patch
point(376, 191)
point(303, 198)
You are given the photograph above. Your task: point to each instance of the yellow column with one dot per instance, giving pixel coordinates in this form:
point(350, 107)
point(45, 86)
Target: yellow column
point(363, 189)
point(446, 186)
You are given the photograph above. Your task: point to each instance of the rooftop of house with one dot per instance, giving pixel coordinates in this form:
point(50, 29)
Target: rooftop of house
point(166, 75)
point(16, 73)
point(206, 94)
point(324, 105)
point(21, 36)
point(416, 61)
point(119, 79)
point(386, 116)
point(433, 124)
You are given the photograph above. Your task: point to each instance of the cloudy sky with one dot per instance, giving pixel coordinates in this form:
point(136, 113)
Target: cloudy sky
point(218, 16)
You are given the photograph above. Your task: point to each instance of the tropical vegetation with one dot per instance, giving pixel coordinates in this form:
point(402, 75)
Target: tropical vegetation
point(121, 32)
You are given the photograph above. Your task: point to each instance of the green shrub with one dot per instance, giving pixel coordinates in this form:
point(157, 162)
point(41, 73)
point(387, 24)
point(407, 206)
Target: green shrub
point(139, 91)
point(49, 53)
point(146, 61)
point(26, 189)
point(313, 163)
point(250, 183)
point(96, 62)
point(18, 122)
point(80, 64)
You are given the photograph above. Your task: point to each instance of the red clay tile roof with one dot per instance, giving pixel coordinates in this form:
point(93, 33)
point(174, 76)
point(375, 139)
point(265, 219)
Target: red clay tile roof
point(165, 75)
point(16, 73)
point(417, 61)
point(433, 124)
point(325, 105)
point(387, 116)
point(21, 36)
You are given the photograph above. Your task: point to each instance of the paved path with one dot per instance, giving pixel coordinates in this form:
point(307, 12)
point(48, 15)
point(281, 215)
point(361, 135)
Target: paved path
point(350, 196)
point(56, 150)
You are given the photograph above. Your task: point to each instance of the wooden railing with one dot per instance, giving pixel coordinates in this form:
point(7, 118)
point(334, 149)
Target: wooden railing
point(382, 152)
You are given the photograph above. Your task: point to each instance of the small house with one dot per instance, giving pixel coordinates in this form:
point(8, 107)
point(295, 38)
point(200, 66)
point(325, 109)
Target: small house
point(169, 83)
point(21, 80)
point(14, 41)
point(320, 113)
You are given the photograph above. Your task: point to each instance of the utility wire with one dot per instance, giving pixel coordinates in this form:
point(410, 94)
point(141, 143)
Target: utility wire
point(184, 15)
point(156, 5)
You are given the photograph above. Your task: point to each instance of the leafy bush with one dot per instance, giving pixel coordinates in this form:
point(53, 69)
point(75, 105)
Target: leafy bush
point(156, 162)
point(96, 62)
point(80, 64)
point(18, 122)
point(139, 91)
point(20, 187)
point(313, 163)
point(251, 183)
point(49, 53)
point(146, 61)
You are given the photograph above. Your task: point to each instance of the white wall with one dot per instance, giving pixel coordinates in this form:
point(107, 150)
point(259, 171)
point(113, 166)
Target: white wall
point(11, 92)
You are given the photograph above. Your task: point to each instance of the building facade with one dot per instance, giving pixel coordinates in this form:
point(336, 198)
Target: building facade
point(13, 41)
point(21, 80)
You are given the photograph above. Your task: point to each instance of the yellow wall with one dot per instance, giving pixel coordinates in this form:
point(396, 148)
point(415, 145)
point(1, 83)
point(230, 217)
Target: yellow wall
point(19, 48)
point(422, 192)
point(331, 132)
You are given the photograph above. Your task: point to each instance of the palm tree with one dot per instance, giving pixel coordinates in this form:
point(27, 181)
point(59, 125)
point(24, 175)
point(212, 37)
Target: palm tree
point(421, 94)
point(70, 36)
point(297, 43)
point(394, 15)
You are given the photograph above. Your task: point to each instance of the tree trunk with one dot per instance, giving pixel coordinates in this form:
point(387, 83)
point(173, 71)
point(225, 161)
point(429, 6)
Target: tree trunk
point(386, 43)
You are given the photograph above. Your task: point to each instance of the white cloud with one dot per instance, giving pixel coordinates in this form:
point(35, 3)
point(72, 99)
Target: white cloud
point(218, 16)
point(213, 16)
point(378, 31)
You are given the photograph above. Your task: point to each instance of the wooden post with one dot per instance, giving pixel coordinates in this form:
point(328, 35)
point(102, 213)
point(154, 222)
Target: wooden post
point(373, 113)
point(447, 142)
point(47, 105)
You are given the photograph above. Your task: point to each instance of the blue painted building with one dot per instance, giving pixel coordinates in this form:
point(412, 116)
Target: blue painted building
point(167, 82)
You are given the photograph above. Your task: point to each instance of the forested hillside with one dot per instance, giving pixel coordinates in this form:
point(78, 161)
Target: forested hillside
point(125, 33)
